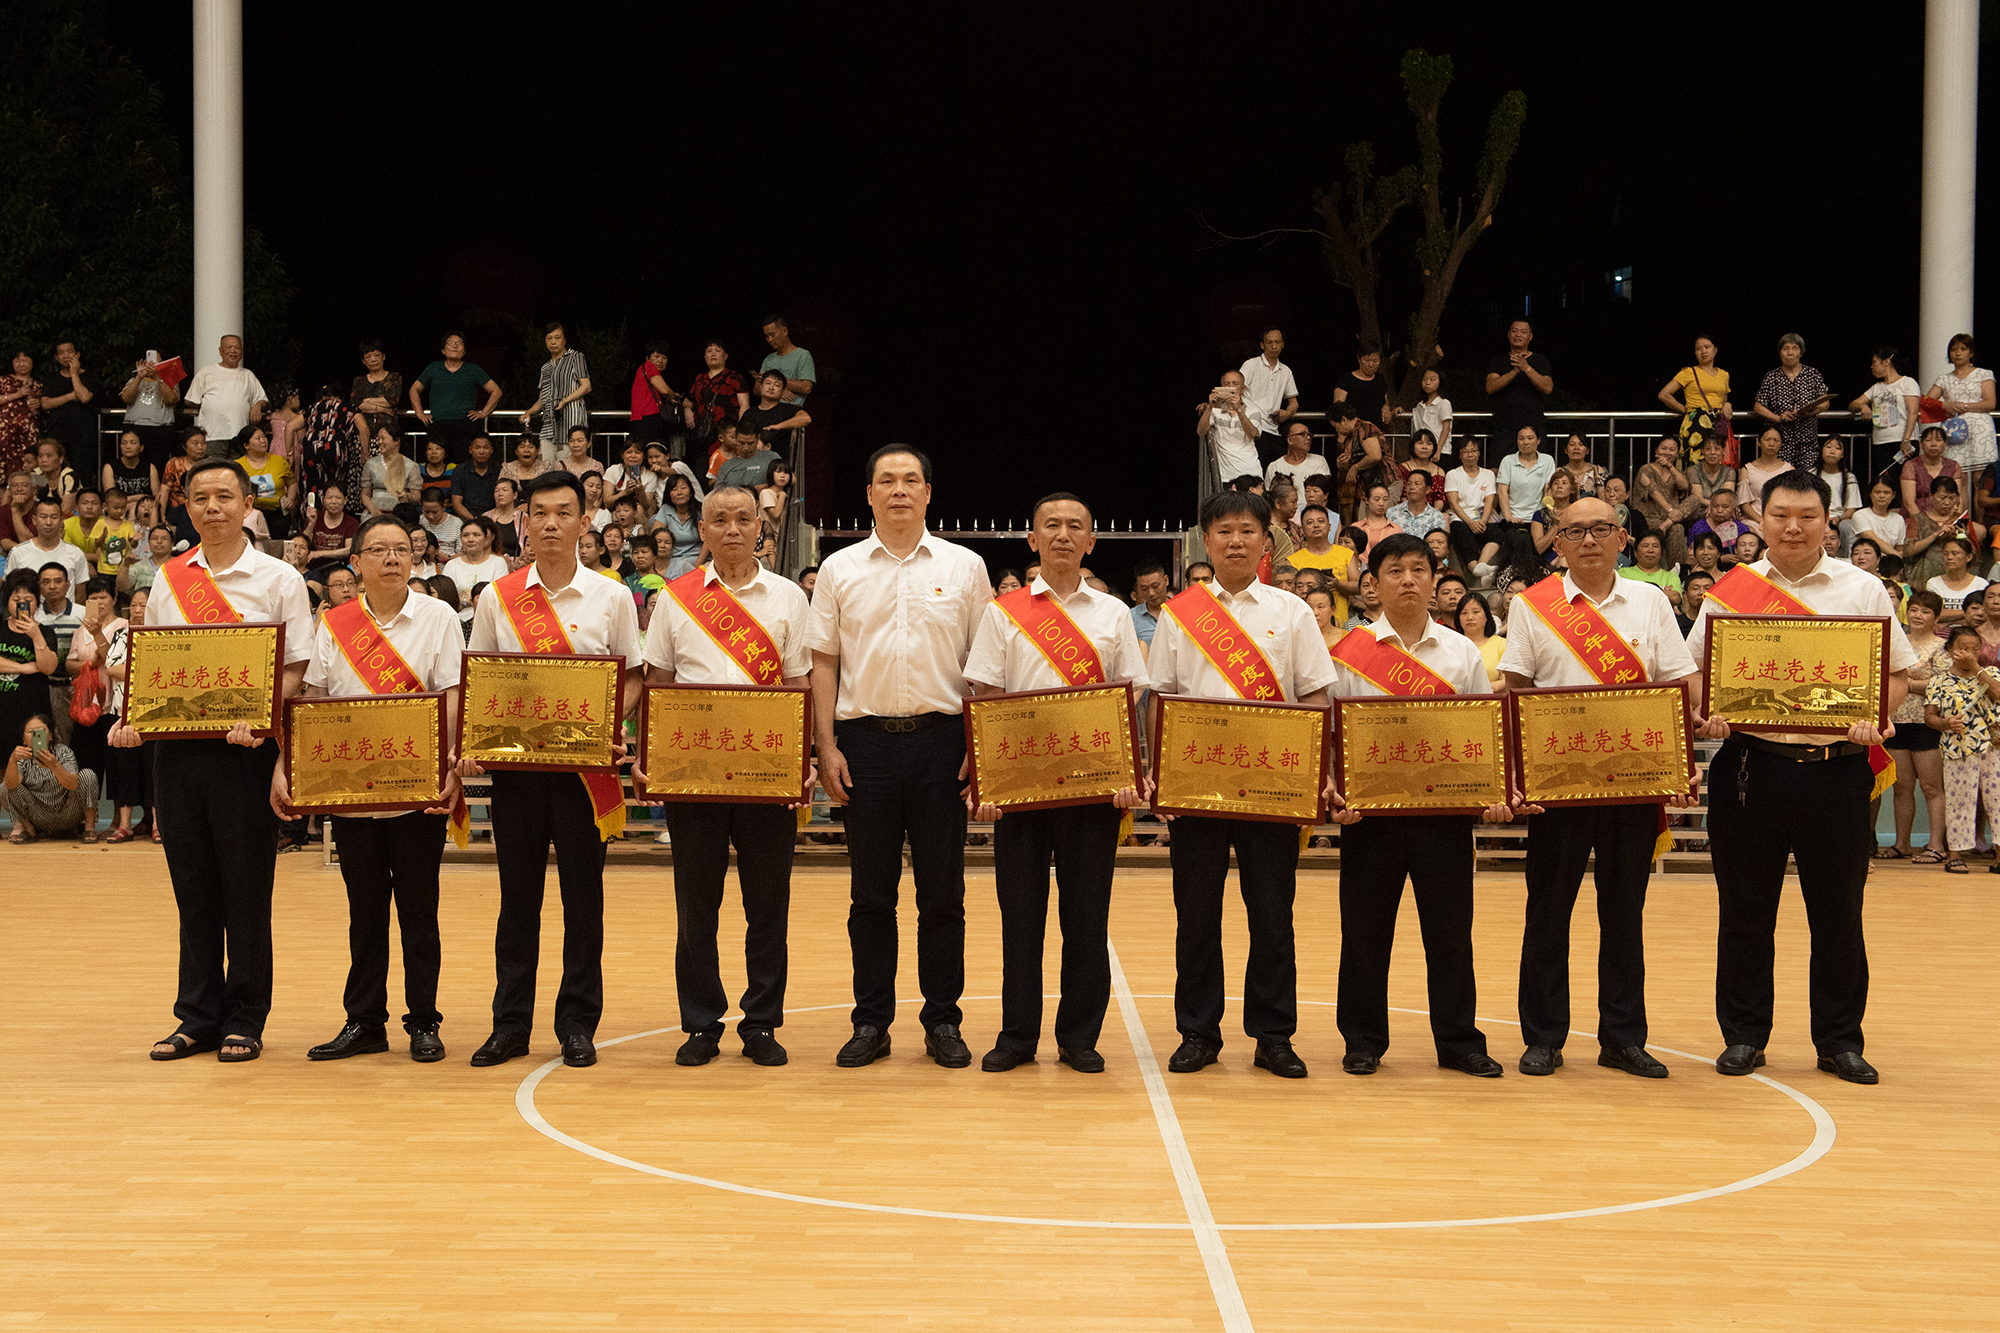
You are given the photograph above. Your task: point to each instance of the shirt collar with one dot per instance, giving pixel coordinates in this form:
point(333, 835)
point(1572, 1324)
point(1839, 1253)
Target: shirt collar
point(1819, 572)
point(535, 579)
point(199, 556)
point(1084, 592)
point(874, 545)
point(1571, 592)
point(709, 576)
point(402, 612)
point(1382, 630)
point(1255, 593)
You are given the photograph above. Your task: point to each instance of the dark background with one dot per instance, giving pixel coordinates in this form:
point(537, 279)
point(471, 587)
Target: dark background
point(990, 231)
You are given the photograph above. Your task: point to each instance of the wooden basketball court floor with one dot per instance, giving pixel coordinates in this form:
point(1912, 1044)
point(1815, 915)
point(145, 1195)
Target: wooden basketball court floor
point(376, 1193)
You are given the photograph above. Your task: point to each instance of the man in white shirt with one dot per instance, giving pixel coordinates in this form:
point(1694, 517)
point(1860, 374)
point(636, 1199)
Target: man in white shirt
point(1796, 795)
point(893, 620)
point(680, 651)
point(532, 810)
point(1299, 461)
point(48, 547)
point(1083, 839)
point(1269, 388)
point(215, 816)
point(224, 397)
point(391, 856)
point(1434, 852)
point(1560, 841)
point(1229, 426)
point(1234, 529)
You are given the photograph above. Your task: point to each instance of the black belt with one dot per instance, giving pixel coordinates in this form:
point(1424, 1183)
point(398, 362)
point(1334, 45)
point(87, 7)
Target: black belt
point(1801, 754)
point(902, 724)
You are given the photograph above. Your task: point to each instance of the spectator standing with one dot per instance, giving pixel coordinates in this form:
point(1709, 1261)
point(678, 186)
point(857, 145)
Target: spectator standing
point(1269, 389)
point(1770, 462)
point(114, 537)
point(1432, 413)
point(1149, 594)
point(89, 647)
point(893, 620)
point(785, 356)
point(330, 451)
point(1700, 393)
point(48, 547)
point(1967, 393)
point(718, 395)
point(70, 410)
point(20, 414)
point(651, 398)
point(1230, 428)
point(1414, 513)
point(28, 660)
point(128, 773)
point(1890, 404)
point(60, 619)
point(1472, 495)
point(149, 409)
point(562, 394)
point(1791, 397)
point(224, 397)
point(1914, 744)
point(1518, 383)
point(1665, 495)
point(455, 385)
point(770, 414)
point(377, 393)
point(1364, 390)
point(1299, 461)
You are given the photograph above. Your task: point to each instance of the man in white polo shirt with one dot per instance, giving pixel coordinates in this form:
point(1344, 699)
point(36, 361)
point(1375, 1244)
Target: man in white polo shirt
point(893, 619)
point(1229, 426)
point(1270, 390)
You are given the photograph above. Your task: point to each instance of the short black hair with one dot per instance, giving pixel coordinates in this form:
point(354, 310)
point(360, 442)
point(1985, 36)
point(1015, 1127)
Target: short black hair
point(554, 326)
point(923, 459)
point(1397, 545)
point(211, 464)
point(101, 584)
point(1035, 514)
point(1924, 597)
point(1367, 347)
point(1309, 508)
point(1952, 635)
point(657, 348)
point(1246, 483)
point(41, 500)
point(779, 320)
point(1801, 482)
point(1939, 484)
point(1865, 539)
point(561, 479)
point(1145, 567)
point(369, 345)
point(809, 569)
point(1704, 574)
point(771, 373)
point(1193, 565)
point(1231, 504)
point(1706, 539)
point(57, 565)
point(373, 522)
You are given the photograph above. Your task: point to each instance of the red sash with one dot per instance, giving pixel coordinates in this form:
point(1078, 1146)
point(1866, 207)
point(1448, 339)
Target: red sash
point(1746, 592)
point(1388, 667)
point(1226, 644)
point(1588, 635)
point(368, 650)
point(540, 630)
point(1049, 628)
point(724, 619)
point(195, 590)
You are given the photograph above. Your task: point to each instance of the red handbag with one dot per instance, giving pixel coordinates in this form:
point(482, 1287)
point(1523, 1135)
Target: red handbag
point(86, 698)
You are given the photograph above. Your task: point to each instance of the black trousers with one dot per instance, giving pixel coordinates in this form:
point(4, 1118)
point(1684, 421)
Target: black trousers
point(1083, 840)
point(1468, 544)
point(906, 783)
point(702, 833)
point(162, 443)
point(384, 860)
point(531, 811)
point(220, 836)
point(1267, 857)
point(128, 777)
point(456, 436)
point(1819, 814)
point(1559, 845)
point(1435, 852)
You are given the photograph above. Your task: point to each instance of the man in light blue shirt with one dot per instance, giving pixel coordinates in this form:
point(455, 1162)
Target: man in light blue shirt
point(1149, 594)
point(792, 361)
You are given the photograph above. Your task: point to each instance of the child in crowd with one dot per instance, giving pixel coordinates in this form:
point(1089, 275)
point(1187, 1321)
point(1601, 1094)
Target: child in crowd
point(113, 538)
point(1959, 704)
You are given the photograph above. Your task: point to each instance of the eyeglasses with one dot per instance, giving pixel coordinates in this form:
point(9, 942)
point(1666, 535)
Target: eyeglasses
point(384, 552)
point(1577, 532)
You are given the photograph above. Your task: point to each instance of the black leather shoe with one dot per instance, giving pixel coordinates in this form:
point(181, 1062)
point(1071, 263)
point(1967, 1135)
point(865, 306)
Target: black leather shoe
point(868, 1044)
point(1003, 1058)
point(498, 1050)
point(1537, 1061)
point(1083, 1062)
point(943, 1044)
point(426, 1047)
point(1850, 1066)
point(1359, 1062)
point(1280, 1059)
point(761, 1045)
point(1477, 1063)
point(579, 1052)
point(1633, 1060)
point(1739, 1059)
point(1193, 1054)
point(354, 1039)
point(698, 1049)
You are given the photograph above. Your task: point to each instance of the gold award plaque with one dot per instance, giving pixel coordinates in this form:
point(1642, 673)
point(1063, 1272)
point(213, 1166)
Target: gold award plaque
point(369, 752)
point(520, 710)
point(1597, 747)
point(723, 743)
point(1248, 761)
point(1430, 756)
point(1040, 749)
point(191, 681)
point(1796, 673)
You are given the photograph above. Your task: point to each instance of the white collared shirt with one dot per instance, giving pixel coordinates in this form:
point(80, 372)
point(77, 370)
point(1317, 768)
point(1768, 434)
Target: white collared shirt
point(1640, 613)
point(1003, 657)
point(597, 614)
point(424, 632)
point(1282, 627)
point(1831, 588)
point(901, 628)
point(261, 588)
point(1444, 651)
point(674, 642)
point(1265, 389)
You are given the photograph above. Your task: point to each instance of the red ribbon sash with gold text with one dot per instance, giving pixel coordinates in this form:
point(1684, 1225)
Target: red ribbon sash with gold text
point(724, 619)
point(1589, 636)
point(368, 650)
point(1049, 628)
point(540, 630)
point(1226, 644)
point(1388, 667)
point(194, 588)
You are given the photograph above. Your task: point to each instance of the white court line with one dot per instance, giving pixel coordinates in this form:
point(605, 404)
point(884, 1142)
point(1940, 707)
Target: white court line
point(1207, 1238)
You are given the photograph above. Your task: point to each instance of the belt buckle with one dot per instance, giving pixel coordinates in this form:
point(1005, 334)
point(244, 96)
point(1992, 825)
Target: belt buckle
point(899, 724)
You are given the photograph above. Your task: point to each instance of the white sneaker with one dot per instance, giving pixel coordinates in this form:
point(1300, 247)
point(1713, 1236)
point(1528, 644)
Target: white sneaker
point(664, 838)
point(1484, 573)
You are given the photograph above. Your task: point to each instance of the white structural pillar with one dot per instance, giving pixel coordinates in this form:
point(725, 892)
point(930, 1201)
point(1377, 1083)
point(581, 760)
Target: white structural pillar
point(1950, 179)
point(218, 176)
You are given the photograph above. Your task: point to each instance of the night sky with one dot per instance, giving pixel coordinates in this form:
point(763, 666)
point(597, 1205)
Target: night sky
point(990, 229)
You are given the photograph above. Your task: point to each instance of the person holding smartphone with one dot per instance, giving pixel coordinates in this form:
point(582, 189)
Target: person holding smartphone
point(27, 654)
point(46, 794)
